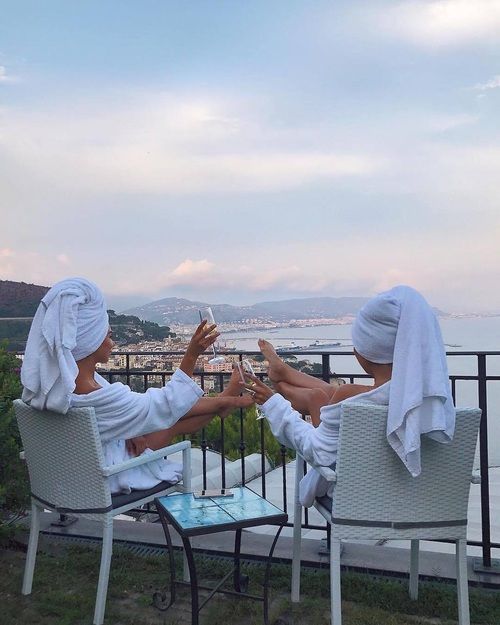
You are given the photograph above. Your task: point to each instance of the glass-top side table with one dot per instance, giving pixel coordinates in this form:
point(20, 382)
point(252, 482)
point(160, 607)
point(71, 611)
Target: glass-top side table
point(194, 517)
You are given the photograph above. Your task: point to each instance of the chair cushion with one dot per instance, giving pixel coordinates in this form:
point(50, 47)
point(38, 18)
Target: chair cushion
point(122, 499)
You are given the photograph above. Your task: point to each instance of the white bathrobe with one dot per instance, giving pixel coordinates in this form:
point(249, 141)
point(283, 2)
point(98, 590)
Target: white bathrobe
point(122, 414)
point(317, 445)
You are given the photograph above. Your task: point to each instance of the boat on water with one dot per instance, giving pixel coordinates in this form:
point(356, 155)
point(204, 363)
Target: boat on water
point(288, 348)
point(300, 348)
point(323, 344)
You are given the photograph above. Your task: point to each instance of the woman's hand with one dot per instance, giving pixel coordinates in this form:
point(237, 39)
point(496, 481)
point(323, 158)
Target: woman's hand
point(135, 446)
point(203, 337)
point(261, 392)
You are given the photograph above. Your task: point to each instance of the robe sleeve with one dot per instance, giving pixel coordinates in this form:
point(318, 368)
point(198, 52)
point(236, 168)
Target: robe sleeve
point(121, 413)
point(317, 445)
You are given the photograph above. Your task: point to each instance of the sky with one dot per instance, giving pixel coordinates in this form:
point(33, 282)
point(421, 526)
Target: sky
point(236, 152)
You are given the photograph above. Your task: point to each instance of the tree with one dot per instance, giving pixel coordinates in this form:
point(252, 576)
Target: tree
point(249, 441)
point(14, 485)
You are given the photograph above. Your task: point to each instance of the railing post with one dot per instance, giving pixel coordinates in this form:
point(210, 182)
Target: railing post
point(483, 459)
point(325, 367)
point(222, 454)
point(262, 458)
point(203, 443)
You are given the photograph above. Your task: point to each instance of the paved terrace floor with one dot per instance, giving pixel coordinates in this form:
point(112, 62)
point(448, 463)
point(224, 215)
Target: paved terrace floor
point(357, 556)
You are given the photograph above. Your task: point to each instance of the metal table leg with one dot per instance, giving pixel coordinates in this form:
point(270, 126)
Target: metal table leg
point(193, 580)
point(240, 581)
point(160, 598)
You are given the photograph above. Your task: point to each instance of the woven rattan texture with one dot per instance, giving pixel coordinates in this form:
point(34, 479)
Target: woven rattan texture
point(372, 482)
point(64, 456)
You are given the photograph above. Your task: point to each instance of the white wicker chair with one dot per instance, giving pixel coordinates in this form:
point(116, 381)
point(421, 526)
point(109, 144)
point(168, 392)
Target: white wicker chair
point(375, 497)
point(67, 475)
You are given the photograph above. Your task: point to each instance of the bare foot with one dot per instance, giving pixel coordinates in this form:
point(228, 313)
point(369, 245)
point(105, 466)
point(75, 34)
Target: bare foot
point(277, 368)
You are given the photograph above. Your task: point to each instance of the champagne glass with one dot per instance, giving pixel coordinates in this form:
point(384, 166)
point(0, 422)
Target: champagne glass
point(206, 313)
point(245, 367)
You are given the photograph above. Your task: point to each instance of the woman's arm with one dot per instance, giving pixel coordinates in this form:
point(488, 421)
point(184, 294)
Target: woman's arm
point(316, 444)
point(203, 337)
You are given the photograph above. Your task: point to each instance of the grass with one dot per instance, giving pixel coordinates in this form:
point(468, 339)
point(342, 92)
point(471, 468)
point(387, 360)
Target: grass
point(65, 585)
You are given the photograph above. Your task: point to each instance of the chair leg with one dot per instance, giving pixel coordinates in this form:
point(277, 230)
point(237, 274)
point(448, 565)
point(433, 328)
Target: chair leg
point(296, 559)
point(102, 586)
point(186, 482)
point(297, 531)
point(413, 590)
point(462, 583)
point(32, 547)
point(335, 595)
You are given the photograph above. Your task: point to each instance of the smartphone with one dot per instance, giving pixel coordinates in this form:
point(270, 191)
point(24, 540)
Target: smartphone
point(213, 492)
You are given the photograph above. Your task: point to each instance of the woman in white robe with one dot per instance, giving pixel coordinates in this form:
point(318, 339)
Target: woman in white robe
point(69, 336)
point(397, 341)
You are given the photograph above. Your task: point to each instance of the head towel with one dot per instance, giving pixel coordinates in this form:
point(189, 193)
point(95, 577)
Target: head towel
point(70, 323)
point(399, 326)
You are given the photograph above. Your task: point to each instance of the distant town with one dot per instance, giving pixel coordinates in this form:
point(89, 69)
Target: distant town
point(152, 357)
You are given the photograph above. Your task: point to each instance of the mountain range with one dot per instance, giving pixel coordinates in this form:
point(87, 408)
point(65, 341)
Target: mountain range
point(176, 311)
point(19, 299)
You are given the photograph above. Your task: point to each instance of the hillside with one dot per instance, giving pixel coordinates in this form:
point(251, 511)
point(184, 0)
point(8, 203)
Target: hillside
point(128, 330)
point(19, 299)
point(175, 311)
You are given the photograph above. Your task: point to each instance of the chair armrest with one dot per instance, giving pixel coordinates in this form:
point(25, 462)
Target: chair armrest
point(475, 478)
point(326, 472)
point(145, 458)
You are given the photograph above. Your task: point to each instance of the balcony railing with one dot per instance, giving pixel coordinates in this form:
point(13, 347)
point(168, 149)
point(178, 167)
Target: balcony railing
point(142, 378)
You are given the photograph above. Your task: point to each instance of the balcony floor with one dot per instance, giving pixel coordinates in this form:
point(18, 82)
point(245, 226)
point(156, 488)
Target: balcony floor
point(358, 556)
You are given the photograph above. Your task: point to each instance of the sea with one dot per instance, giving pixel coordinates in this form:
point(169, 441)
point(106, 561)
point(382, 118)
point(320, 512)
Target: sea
point(459, 334)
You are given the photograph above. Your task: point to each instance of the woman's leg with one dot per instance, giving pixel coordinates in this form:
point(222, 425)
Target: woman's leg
point(279, 371)
point(306, 400)
point(205, 409)
point(223, 402)
point(162, 438)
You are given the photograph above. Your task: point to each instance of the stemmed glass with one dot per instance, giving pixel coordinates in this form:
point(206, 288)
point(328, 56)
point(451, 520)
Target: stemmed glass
point(245, 367)
point(206, 313)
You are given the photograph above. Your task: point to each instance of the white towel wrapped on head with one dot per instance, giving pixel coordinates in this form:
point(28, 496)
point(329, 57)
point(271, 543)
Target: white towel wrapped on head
point(399, 326)
point(70, 323)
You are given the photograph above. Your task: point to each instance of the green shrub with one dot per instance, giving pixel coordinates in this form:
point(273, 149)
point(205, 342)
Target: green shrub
point(243, 434)
point(14, 486)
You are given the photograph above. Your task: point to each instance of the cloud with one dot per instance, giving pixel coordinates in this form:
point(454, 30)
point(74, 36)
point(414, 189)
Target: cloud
point(31, 266)
point(165, 145)
point(208, 275)
point(63, 259)
point(442, 23)
point(192, 271)
point(493, 83)
point(443, 123)
point(4, 76)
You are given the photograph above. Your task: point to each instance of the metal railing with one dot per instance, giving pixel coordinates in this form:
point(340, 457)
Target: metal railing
point(141, 379)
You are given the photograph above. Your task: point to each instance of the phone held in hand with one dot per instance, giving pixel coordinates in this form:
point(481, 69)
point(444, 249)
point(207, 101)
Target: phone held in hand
point(213, 492)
